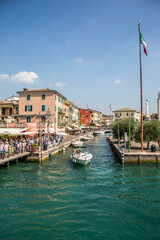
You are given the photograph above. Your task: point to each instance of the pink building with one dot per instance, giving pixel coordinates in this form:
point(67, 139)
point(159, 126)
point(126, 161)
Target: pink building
point(41, 105)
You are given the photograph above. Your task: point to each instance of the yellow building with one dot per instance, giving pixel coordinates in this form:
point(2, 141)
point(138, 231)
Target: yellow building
point(125, 112)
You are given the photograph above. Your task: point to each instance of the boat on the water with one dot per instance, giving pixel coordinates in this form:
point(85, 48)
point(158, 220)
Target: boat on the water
point(77, 143)
point(108, 131)
point(81, 157)
point(98, 132)
point(90, 136)
point(85, 138)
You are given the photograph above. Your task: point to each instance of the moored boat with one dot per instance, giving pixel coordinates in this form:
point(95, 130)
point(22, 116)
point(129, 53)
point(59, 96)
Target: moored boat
point(77, 143)
point(82, 138)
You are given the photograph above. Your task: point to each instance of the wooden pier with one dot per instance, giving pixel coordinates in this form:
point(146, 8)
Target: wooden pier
point(14, 158)
point(134, 156)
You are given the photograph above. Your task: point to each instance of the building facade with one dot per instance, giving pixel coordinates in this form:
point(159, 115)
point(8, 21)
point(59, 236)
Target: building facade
point(41, 105)
point(95, 117)
point(107, 120)
point(85, 116)
point(7, 110)
point(125, 113)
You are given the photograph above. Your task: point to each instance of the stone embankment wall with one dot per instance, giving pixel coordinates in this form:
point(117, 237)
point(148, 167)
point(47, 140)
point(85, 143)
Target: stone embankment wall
point(134, 157)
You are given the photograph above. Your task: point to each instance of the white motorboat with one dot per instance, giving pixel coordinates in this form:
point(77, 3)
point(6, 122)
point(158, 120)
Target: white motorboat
point(98, 132)
point(77, 143)
point(81, 157)
point(90, 136)
point(85, 138)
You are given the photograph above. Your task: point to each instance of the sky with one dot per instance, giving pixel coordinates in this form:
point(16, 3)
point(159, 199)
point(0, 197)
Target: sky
point(88, 50)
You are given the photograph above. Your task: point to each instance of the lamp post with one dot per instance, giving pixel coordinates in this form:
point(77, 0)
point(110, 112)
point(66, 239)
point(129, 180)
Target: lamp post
point(118, 128)
point(129, 135)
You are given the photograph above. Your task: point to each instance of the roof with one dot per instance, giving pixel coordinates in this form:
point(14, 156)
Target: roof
point(124, 110)
point(6, 102)
point(41, 90)
point(72, 104)
point(91, 110)
point(12, 98)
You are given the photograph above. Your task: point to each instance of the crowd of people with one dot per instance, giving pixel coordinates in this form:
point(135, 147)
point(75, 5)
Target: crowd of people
point(16, 145)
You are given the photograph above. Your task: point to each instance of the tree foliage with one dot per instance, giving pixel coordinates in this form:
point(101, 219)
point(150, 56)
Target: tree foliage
point(151, 132)
point(123, 127)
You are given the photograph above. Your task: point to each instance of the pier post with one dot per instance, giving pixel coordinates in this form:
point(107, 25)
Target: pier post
point(40, 154)
point(122, 155)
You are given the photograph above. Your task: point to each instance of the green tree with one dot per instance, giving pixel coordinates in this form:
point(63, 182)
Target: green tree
point(123, 127)
point(151, 132)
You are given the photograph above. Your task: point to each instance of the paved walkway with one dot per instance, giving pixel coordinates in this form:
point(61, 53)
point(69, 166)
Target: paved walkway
point(136, 147)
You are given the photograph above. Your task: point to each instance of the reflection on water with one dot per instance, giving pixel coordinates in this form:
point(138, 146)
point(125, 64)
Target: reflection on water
point(62, 200)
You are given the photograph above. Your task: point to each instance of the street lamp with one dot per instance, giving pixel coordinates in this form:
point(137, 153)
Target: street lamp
point(118, 128)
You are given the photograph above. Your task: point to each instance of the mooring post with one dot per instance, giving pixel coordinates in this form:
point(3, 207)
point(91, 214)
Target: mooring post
point(122, 155)
point(39, 153)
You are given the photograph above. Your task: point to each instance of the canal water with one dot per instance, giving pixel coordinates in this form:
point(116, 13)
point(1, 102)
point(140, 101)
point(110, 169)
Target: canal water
point(61, 200)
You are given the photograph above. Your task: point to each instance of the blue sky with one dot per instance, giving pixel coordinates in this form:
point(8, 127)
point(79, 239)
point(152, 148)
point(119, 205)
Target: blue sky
point(85, 49)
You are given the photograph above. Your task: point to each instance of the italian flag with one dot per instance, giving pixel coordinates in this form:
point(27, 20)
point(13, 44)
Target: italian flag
point(143, 43)
point(110, 107)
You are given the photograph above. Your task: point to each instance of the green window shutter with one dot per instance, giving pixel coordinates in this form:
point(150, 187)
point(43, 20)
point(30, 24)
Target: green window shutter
point(43, 96)
point(43, 108)
point(31, 108)
point(55, 109)
point(28, 97)
point(25, 108)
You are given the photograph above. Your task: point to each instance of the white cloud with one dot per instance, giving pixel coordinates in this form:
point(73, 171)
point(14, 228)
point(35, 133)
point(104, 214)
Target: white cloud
point(26, 77)
point(117, 81)
point(79, 59)
point(4, 76)
point(58, 84)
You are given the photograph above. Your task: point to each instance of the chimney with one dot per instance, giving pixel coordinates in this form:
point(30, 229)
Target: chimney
point(73, 101)
point(25, 89)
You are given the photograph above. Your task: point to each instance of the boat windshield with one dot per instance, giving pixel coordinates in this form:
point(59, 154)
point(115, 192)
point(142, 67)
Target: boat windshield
point(80, 150)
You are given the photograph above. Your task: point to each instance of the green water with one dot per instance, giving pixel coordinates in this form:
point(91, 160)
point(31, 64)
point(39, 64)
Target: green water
point(61, 200)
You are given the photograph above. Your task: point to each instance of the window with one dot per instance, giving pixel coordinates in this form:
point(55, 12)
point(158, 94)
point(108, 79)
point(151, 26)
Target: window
point(120, 114)
point(87, 116)
point(28, 119)
point(59, 99)
point(127, 114)
point(55, 108)
point(43, 96)
point(59, 109)
point(43, 108)
point(28, 108)
point(16, 108)
point(43, 118)
point(131, 114)
point(28, 97)
point(55, 97)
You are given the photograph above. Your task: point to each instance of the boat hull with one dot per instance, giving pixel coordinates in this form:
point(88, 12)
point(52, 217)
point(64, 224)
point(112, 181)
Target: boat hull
point(77, 144)
point(83, 159)
point(81, 162)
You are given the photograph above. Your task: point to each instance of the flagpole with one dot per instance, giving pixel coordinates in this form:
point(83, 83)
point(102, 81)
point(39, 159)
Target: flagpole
point(141, 92)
